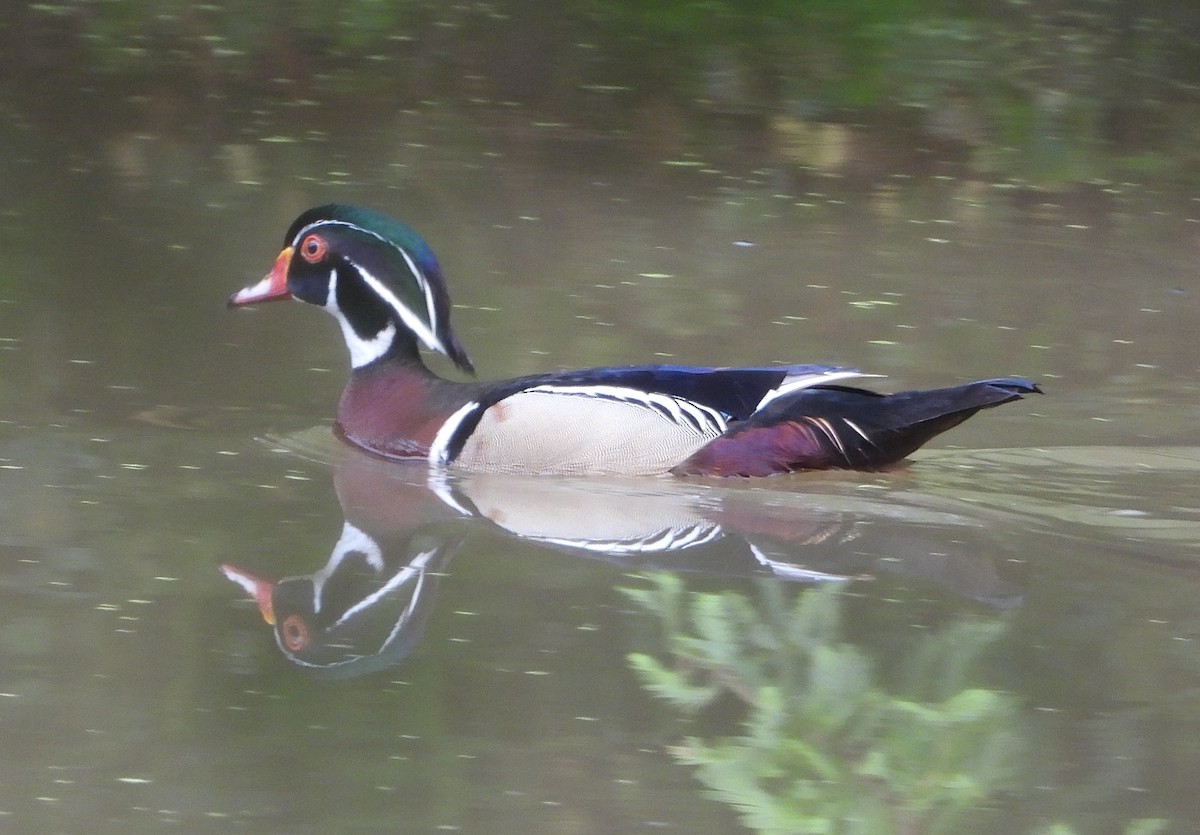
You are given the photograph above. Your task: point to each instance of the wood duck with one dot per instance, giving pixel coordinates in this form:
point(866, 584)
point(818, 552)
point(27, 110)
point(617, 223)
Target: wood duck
point(381, 282)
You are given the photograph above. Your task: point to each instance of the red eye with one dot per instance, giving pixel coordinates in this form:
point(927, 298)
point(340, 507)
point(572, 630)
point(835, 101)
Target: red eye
point(313, 248)
point(294, 631)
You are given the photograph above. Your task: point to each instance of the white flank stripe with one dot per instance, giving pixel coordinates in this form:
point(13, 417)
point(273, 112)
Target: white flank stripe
point(438, 450)
point(826, 427)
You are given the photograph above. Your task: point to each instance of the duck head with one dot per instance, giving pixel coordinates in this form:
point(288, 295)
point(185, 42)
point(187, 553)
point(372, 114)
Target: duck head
point(376, 276)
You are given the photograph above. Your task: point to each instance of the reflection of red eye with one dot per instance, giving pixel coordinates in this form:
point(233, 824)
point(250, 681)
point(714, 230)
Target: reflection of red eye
point(294, 632)
point(313, 248)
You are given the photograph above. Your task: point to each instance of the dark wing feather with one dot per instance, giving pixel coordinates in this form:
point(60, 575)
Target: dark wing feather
point(824, 427)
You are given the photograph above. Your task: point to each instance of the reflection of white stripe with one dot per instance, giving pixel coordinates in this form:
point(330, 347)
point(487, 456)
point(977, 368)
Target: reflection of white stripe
point(439, 485)
point(795, 572)
point(682, 412)
point(439, 449)
point(419, 567)
point(352, 541)
point(671, 539)
point(416, 567)
point(803, 381)
point(245, 581)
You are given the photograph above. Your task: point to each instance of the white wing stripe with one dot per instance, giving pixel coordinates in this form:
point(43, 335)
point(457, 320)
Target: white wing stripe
point(856, 428)
point(803, 381)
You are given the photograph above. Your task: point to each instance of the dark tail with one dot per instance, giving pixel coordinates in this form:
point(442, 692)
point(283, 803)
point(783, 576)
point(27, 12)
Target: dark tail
point(828, 427)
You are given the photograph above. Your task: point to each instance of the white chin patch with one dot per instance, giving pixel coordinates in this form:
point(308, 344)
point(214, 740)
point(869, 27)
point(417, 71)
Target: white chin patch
point(364, 351)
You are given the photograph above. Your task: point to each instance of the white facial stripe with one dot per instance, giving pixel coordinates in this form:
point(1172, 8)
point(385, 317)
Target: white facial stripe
point(411, 320)
point(439, 449)
point(421, 328)
point(430, 307)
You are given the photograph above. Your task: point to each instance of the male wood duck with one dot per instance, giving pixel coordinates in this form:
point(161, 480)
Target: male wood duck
point(381, 282)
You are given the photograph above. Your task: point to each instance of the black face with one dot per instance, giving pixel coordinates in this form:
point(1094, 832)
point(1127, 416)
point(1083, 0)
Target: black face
point(376, 275)
point(333, 255)
point(311, 269)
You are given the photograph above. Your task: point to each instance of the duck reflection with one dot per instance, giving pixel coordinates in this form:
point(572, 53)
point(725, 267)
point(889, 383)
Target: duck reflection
point(366, 607)
point(364, 610)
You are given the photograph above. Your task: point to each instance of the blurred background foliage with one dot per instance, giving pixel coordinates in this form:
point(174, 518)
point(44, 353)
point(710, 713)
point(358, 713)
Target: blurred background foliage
point(1049, 93)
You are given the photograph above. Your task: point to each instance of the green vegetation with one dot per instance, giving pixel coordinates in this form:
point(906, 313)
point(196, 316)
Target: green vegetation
point(829, 742)
point(826, 746)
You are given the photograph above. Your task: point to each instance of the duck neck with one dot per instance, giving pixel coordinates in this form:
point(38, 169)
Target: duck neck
point(394, 405)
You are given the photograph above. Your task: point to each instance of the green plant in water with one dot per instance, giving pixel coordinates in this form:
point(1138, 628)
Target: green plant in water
point(826, 748)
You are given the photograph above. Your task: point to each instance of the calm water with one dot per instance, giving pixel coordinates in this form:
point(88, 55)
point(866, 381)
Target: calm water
point(1002, 638)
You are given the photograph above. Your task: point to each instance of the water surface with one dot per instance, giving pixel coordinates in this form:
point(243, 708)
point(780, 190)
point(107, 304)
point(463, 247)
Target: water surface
point(1000, 637)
